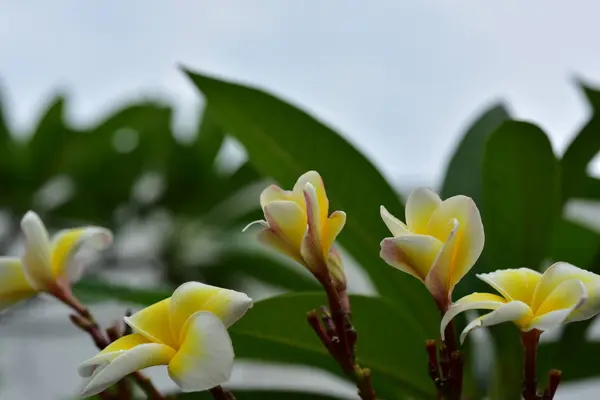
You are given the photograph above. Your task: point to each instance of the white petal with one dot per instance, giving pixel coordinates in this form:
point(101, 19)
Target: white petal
point(514, 284)
point(395, 226)
point(192, 297)
point(560, 272)
point(565, 300)
point(36, 259)
point(273, 193)
point(136, 359)
point(66, 245)
point(511, 311)
point(205, 358)
point(474, 301)
point(420, 206)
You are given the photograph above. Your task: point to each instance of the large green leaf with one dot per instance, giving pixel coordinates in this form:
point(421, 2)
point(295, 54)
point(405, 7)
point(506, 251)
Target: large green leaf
point(463, 175)
point(284, 142)
point(521, 205)
point(521, 195)
point(582, 149)
point(390, 340)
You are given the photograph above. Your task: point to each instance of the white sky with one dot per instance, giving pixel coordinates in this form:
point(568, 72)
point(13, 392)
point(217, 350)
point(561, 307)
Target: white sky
point(398, 78)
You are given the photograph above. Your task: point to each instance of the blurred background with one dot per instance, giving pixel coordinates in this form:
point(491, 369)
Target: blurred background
point(98, 125)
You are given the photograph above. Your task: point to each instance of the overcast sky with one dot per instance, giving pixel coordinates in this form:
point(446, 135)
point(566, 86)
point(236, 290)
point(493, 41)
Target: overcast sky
point(399, 78)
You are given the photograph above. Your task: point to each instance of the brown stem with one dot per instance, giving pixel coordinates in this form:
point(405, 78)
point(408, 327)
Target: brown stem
point(530, 345)
point(339, 336)
point(219, 393)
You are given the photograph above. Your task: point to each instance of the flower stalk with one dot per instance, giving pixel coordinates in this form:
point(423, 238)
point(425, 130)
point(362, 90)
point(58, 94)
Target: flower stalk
point(339, 337)
point(219, 393)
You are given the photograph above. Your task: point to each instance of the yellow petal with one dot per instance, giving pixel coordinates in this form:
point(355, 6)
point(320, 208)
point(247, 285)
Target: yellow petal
point(14, 286)
point(316, 181)
point(334, 225)
point(515, 311)
point(560, 305)
point(192, 297)
point(205, 358)
point(36, 259)
point(420, 206)
point(66, 243)
point(110, 352)
point(395, 226)
point(513, 284)
point(413, 254)
point(439, 278)
point(560, 272)
point(315, 224)
point(287, 220)
point(109, 372)
point(469, 236)
point(277, 243)
point(273, 193)
point(474, 301)
point(153, 322)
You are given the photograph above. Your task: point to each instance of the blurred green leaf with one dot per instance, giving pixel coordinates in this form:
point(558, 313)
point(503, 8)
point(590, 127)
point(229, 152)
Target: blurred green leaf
point(521, 195)
point(521, 205)
point(50, 140)
point(580, 152)
point(93, 290)
point(390, 340)
point(575, 244)
point(463, 175)
point(248, 394)
point(258, 266)
point(210, 138)
point(284, 142)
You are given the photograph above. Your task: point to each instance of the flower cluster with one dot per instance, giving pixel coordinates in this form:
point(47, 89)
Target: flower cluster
point(438, 243)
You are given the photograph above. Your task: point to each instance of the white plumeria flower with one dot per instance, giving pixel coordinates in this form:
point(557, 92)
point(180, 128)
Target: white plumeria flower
point(48, 265)
point(562, 294)
point(187, 332)
point(439, 244)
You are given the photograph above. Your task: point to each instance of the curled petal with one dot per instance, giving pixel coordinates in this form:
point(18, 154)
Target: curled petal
point(420, 206)
point(560, 272)
point(66, 243)
point(277, 243)
point(513, 284)
point(395, 226)
point(14, 286)
point(315, 224)
point(192, 297)
point(153, 323)
point(334, 225)
point(439, 278)
point(470, 237)
point(514, 311)
point(316, 181)
point(137, 358)
point(413, 254)
point(273, 193)
point(474, 301)
point(110, 352)
point(559, 305)
point(287, 220)
point(205, 358)
point(260, 222)
point(36, 259)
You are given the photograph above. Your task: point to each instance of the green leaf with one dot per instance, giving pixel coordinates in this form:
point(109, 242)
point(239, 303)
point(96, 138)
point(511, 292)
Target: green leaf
point(521, 195)
point(94, 290)
point(389, 340)
point(284, 142)
point(464, 172)
point(580, 152)
point(248, 394)
point(210, 138)
point(521, 205)
point(50, 140)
